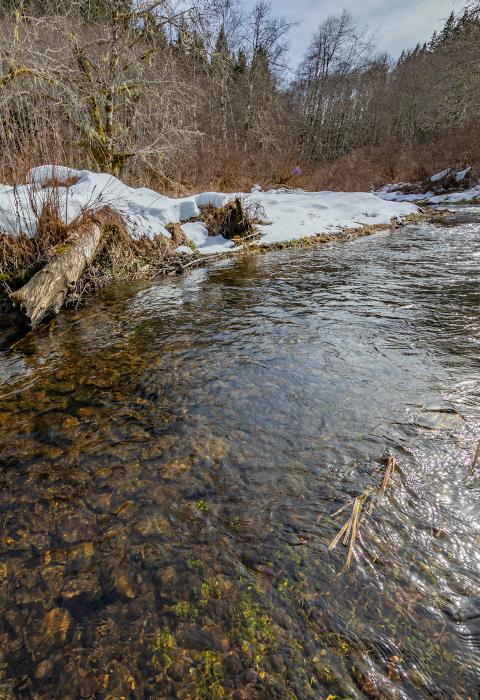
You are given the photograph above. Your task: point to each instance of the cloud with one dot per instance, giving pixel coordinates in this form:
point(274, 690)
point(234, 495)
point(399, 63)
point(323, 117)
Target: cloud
point(395, 25)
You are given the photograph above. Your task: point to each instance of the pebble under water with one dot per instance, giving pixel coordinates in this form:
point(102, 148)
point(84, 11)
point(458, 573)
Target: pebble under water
point(173, 458)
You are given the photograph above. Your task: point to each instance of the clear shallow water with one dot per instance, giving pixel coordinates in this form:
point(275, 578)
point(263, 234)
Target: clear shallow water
point(172, 457)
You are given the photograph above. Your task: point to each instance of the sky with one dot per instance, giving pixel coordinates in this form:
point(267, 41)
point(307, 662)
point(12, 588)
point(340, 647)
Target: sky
point(396, 24)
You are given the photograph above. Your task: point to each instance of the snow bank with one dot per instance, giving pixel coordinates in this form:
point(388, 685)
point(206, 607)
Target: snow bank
point(440, 176)
point(449, 186)
point(293, 214)
point(464, 196)
point(145, 212)
point(460, 176)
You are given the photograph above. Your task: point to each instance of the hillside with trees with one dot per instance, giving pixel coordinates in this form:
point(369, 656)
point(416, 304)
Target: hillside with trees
point(181, 97)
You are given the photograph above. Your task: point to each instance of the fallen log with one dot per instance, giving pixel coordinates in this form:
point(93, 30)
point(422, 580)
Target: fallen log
point(44, 294)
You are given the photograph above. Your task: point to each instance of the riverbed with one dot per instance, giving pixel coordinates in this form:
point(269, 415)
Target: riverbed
point(174, 457)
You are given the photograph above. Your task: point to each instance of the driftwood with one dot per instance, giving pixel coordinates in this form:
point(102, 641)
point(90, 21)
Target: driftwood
point(43, 295)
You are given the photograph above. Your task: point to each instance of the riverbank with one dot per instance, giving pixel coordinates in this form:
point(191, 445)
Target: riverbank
point(449, 186)
point(67, 233)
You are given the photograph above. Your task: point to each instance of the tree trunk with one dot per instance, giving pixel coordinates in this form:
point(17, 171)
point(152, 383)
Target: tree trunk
point(223, 112)
point(248, 114)
point(44, 294)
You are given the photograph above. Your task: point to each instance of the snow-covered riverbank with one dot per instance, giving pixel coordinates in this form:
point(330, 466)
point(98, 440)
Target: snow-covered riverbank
point(289, 215)
point(470, 196)
point(446, 187)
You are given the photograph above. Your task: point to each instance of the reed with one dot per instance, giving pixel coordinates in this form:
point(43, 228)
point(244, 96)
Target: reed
point(349, 532)
point(475, 459)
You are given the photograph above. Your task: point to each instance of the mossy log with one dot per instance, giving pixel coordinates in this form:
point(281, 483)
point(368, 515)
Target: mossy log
point(44, 294)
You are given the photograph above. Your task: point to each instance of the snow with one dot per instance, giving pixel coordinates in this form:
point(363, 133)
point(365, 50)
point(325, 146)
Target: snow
point(184, 249)
point(146, 213)
point(464, 196)
point(296, 214)
point(292, 214)
point(198, 234)
point(393, 193)
point(460, 177)
point(440, 176)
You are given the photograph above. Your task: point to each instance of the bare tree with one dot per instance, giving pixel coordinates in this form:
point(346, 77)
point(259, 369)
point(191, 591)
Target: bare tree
point(264, 41)
point(338, 51)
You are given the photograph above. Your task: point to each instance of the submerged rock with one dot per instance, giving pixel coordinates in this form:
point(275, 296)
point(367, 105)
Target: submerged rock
point(53, 631)
point(465, 609)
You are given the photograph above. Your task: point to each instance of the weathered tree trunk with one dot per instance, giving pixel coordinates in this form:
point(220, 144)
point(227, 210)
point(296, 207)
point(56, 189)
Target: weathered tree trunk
point(44, 294)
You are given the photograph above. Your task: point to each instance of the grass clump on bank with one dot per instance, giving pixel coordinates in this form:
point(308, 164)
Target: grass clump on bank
point(236, 221)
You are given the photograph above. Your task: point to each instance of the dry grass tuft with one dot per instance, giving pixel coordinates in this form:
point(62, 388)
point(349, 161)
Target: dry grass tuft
point(20, 258)
point(177, 234)
point(60, 182)
point(123, 258)
point(236, 220)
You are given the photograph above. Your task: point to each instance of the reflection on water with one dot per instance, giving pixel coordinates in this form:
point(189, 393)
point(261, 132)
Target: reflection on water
point(172, 458)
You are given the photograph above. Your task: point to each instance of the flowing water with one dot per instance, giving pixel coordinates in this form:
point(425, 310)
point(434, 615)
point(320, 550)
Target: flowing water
point(173, 458)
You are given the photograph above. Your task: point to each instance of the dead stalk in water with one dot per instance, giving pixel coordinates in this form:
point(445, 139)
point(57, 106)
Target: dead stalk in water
point(387, 477)
point(338, 537)
point(476, 457)
point(357, 509)
point(349, 531)
point(392, 463)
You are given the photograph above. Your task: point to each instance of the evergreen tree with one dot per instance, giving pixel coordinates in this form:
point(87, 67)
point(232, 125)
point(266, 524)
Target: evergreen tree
point(261, 67)
point(221, 56)
point(449, 28)
point(241, 64)
point(198, 51)
point(433, 43)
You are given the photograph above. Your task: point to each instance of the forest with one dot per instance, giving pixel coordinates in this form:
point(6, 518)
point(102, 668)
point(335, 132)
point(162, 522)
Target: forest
point(179, 97)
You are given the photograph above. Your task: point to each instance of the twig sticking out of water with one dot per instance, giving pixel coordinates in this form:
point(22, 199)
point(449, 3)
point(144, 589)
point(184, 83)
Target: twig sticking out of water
point(355, 521)
point(387, 477)
point(476, 457)
point(349, 531)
